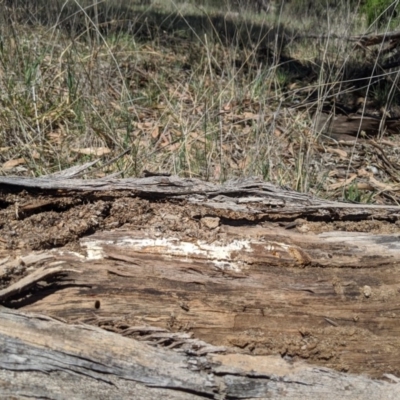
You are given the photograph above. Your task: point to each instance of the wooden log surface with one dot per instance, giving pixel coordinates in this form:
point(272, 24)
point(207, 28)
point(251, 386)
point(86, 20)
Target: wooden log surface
point(355, 126)
point(48, 348)
point(370, 39)
point(336, 307)
point(244, 268)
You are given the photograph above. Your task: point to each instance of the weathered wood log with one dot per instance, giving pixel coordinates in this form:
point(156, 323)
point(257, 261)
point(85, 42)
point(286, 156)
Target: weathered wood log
point(245, 267)
point(266, 291)
point(343, 127)
point(364, 39)
point(49, 348)
point(373, 39)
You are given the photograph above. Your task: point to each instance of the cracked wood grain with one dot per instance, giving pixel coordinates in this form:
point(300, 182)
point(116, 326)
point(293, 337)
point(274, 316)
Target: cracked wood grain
point(41, 344)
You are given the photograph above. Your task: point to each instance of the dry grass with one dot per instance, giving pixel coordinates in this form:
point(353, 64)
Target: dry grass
point(179, 89)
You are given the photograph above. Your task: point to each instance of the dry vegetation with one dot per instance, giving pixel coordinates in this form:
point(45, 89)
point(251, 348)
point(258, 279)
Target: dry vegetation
point(198, 91)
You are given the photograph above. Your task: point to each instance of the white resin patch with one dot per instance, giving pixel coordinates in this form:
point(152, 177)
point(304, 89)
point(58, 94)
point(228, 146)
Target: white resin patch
point(220, 254)
point(233, 256)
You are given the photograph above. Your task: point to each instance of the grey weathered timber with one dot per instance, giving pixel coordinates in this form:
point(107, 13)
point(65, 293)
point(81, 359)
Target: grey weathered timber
point(43, 345)
point(210, 290)
point(248, 195)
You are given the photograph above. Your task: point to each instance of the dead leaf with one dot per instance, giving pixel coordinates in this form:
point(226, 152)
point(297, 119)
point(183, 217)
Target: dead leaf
point(245, 162)
point(175, 146)
point(55, 137)
point(155, 132)
point(333, 173)
point(246, 130)
point(145, 125)
point(165, 139)
point(290, 149)
point(250, 115)
point(342, 182)
point(116, 106)
point(383, 186)
point(93, 151)
point(388, 143)
point(277, 132)
point(364, 173)
point(217, 172)
point(364, 186)
point(176, 132)
point(10, 164)
point(341, 153)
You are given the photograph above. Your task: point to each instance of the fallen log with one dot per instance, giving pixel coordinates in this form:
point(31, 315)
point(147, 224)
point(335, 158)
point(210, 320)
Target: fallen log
point(50, 349)
point(244, 269)
point(350, 127)
point(366, 40)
